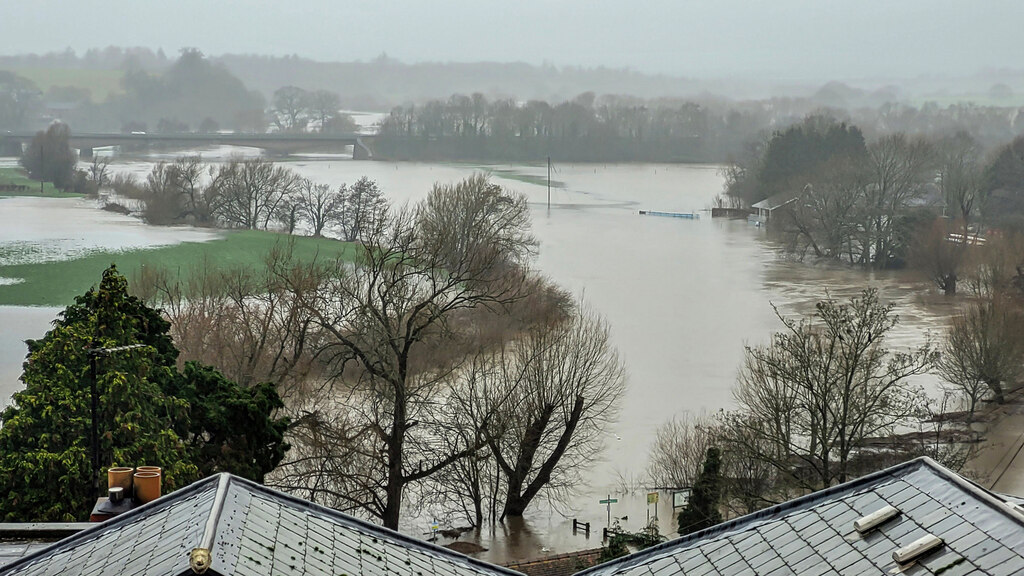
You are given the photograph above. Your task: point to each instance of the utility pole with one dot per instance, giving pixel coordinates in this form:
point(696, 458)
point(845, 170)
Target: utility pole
point(549, 183)
point(94, 353)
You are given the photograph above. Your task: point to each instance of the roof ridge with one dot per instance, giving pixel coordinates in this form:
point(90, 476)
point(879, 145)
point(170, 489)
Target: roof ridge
point(989, 497)
point(201, 557)
point(764, 513)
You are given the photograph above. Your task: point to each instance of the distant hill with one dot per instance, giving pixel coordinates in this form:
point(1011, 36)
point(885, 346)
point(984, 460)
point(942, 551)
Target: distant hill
point(385, 82)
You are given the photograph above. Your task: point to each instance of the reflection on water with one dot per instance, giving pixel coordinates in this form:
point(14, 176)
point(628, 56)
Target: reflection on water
point(683, 298)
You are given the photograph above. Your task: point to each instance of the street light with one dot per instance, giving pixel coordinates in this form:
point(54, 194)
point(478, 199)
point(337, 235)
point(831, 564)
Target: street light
point(94, 354)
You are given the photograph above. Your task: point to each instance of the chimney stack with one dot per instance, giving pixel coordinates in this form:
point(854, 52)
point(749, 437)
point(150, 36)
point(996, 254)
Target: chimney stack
point(127, 488)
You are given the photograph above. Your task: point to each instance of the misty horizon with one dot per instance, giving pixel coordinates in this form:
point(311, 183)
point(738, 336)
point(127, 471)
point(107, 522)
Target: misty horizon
point(789, 42)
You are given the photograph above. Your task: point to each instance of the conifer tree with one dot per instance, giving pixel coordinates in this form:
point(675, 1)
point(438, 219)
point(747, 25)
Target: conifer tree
point(701, 510)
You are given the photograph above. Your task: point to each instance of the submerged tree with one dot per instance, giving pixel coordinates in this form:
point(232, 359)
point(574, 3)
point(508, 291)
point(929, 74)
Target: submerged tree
point(984, 350)
point(810, 399)
point(554, 391)
point(386, 320)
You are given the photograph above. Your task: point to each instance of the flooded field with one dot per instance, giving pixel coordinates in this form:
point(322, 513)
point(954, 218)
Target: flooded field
point(683, 298)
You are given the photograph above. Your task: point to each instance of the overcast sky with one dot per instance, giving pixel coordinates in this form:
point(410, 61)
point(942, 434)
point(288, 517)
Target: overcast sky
point(787, 39)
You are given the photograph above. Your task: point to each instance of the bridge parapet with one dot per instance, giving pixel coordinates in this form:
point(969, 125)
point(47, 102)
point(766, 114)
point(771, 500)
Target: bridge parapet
point(275, 143)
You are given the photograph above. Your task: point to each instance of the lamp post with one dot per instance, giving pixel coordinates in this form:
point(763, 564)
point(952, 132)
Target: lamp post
point(94, 354)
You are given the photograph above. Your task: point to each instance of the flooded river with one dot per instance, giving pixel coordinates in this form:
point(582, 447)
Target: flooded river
point(683, 298)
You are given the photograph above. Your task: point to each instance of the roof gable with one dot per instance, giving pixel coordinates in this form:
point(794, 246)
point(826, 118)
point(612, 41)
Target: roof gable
point(251, 531)
point(982, 534)
point(777, 200)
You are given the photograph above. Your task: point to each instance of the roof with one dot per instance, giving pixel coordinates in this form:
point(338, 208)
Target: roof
point(13, 549)
point(18, 539)
point(250, 530)
point(983, 535)
point(777, 200)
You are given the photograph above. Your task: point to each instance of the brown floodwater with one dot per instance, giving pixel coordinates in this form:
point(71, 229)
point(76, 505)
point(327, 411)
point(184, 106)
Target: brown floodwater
point(683, 298)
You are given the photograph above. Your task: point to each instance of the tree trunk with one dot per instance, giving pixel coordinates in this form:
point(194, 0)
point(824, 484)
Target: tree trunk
point(516, 501)
point(396, 480)
point(949, 285)
point(997, 388)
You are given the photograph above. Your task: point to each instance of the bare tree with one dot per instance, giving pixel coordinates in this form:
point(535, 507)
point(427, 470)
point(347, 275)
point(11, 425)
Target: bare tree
point(387, 319)
point(361, 211)
point(960, 177)
point(247, 193)
point(823, 219)
point(290, 108)
point(984, 347)
point(99, 171)
point(175, 192)
point(939, 257)
point(679, 448)
point(318, 205)
point(323, 106)
point(855, 208)
point(461, 225)
point(811, 398)
point(556, 390)
point(244, 321)
point(899, 167)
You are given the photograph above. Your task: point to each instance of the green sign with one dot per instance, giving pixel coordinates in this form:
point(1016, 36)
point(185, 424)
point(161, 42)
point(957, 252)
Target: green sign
point(608, 501)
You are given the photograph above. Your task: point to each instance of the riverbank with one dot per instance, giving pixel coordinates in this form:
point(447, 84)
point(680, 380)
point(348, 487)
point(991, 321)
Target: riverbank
point(57, 282)
point(999, 463)
point(14, 182)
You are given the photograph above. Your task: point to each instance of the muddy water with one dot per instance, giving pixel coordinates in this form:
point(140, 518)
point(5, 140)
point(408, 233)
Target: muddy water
point(682, 296)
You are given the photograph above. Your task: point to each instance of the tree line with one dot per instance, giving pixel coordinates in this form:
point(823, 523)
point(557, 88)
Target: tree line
point(878, 203)
point(253, 194)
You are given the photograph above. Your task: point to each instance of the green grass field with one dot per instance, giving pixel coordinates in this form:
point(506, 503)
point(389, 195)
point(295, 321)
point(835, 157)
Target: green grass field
point(100, 83)
point(57, 283)
point(17, 176)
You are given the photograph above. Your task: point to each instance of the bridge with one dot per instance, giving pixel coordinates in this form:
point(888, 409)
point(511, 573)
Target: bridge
point(278, 144)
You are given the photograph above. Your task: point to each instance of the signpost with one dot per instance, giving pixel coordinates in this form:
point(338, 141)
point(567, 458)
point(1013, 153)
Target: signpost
point(652, 498)
point(680, 498)
point(609, 501)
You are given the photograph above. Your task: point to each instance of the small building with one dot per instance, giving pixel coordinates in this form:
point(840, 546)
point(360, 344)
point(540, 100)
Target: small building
point(225, 525)
point(763, 210)
point(917, 518)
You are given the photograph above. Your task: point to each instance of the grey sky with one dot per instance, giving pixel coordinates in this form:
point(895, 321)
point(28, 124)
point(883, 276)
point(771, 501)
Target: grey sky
point(785, 39)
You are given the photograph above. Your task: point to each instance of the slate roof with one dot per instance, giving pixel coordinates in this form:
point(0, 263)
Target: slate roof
point(777, 200)
point(11, 550)
point(814, 535)
point(255, 531)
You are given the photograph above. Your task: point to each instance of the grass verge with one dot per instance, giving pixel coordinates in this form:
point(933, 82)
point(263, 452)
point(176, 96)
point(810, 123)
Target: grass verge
point(57, 283)
point(17, 177)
